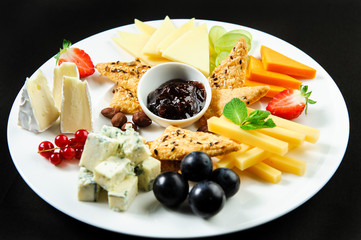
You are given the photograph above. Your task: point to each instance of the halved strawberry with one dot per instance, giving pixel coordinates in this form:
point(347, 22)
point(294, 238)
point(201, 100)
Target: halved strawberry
point(290, 103)
point(77, 56)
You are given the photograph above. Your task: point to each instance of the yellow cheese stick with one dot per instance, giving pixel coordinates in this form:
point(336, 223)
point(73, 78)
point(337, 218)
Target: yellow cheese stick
point(266, 172)
point(283, 134)
point(287, 164)
point(228, 129)
point(244, 160)
point(312, 134)
point(227, 161)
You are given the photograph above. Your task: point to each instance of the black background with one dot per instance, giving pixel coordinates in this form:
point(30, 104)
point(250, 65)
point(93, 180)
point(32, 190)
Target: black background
point(328, 31)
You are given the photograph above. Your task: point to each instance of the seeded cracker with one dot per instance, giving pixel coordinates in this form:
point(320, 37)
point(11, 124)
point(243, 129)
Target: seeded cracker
point(126, 75)
point(220, 97)
point(231, 73)
point(176, 142)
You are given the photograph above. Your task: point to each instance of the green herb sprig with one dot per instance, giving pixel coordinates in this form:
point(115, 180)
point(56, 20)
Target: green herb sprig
point(236, 111)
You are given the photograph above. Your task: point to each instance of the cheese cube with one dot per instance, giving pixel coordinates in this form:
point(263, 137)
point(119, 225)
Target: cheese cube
point(120, 198)
point(75, 106)
point(88, 190)
point(97, 148)
point(109, 173)
point(132, 144)
point(147, 171)
point(37, 110)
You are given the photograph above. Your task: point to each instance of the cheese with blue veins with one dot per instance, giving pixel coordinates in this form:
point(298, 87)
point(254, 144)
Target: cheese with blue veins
point(88, 189)
point(97, 148)
point(120, 198)
point(147, 171)
point(109, 173)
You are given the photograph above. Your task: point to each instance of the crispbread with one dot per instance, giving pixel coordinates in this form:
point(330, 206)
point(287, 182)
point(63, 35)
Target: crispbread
point(126, 75)
point(125, 100)
point(220, 97)
point(231, 73)
point(175, 143)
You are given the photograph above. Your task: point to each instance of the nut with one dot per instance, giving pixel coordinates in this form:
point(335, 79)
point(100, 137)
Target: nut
point(203, 128)
point(133, 126)
point(119, 119)
point(141, 119)
point(109, 112)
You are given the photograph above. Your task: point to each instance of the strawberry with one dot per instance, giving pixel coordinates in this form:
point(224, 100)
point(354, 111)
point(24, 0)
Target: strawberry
point(78, 56)
point(290, 103)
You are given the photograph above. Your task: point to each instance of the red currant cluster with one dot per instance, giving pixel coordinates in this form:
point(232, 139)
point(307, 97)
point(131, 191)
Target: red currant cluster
point(68, 148)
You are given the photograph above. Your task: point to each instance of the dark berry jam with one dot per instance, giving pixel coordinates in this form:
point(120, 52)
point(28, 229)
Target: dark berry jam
point(177, 99)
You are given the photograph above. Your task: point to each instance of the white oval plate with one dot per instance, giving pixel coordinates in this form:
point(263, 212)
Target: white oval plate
point(256, 202)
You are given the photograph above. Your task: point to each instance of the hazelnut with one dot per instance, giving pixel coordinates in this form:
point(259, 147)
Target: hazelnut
point(141, 119)
point(119, 119)
point(109, 112)
point(203, 128)
point(133, 126)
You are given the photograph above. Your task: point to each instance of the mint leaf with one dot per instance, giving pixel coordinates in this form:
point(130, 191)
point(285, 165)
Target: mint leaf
point(236, 111)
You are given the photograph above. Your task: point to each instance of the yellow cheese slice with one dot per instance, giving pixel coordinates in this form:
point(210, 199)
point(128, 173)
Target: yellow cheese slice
point(144, 28)
point(167, 41)
point(133, 43)
point(163, 31)
point(191, 48)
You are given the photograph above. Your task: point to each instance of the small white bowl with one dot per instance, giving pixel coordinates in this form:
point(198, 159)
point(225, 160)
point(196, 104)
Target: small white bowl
point(162, 73)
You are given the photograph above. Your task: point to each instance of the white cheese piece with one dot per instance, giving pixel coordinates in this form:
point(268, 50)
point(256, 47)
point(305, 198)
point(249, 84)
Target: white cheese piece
point(65, 69)
point(120, 198)
point(112, 171)
point(164, 30)
point(132, 144)
point(88, 189)
point(37, 110)
point(75, 106)
point(144, 28)
point(147, 171)
point(97, 148)
point(191, 48)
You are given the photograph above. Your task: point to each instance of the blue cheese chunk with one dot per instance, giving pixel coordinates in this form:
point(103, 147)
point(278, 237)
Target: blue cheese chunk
point(88, 190)
point(120, 198)
point(97, 148)
point(132, 144)
point(112, 171)
point(147, 171)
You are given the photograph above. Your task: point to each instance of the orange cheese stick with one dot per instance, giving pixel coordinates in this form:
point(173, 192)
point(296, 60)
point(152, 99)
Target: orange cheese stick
point(273, 91)
point(257, 73)
point(277, 62)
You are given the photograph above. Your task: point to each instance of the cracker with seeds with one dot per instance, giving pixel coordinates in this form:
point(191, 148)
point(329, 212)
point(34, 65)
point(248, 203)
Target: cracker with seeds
point(231, 73)
point(220, 97)
point(176, 142)
point(126, 76)
point(125, 100)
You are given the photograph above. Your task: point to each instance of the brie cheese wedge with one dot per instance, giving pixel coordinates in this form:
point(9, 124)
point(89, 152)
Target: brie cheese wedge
point(37, 111)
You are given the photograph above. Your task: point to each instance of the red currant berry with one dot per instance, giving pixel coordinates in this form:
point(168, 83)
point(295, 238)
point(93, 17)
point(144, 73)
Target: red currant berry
point(46, 148)
point(55, 158)
point(73, 142)
point(67, 153)
point(61, 140)
point(78, 152)
point(81, 135)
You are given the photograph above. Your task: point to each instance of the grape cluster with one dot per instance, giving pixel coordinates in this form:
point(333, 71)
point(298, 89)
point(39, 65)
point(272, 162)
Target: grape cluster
point(66, 148)
point(207, 196)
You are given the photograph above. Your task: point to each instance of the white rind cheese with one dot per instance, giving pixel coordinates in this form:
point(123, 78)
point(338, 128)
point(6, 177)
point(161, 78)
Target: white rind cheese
point(88, 189)
point(97, 148)
point(147, 171)
point(120, 198)
point(112, 171)
point(75, 106)
point(37, 111)
point(65, 69)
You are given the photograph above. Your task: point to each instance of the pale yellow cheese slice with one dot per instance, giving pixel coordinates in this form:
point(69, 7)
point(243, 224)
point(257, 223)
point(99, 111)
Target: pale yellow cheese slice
point(191, 48)
point(164, 30)
point(167, 41)
point(144, 28)
point(133, 43)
